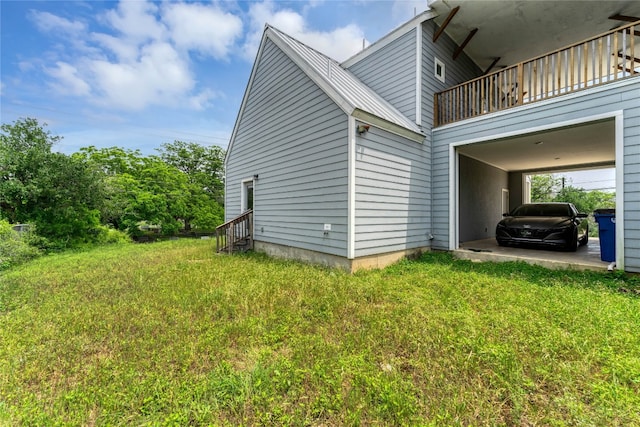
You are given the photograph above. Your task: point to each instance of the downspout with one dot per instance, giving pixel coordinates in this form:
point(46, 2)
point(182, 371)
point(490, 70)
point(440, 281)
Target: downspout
point(351, 188)
point(419, 74)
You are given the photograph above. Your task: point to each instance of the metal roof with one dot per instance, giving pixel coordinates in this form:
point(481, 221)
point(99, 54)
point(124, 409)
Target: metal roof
point(340, 84)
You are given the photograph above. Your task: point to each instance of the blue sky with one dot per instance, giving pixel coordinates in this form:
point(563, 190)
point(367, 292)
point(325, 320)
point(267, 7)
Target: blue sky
point(137, 74)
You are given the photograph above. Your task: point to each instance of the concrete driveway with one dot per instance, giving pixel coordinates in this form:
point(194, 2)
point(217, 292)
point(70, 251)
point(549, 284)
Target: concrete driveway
point(585, 258)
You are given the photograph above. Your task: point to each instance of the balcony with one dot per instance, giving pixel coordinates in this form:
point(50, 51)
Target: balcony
point(604, 59)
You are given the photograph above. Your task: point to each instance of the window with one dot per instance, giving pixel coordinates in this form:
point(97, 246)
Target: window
point(439, 69)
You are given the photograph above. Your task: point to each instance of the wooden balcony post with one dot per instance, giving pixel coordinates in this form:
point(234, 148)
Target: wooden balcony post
point(520, 83)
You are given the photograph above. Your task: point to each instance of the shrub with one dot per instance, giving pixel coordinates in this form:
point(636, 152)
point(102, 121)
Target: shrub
point(109, 235)
point(13, 248)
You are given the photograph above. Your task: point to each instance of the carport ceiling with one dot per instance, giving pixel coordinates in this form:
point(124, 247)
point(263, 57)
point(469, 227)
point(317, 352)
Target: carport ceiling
point(575, 147)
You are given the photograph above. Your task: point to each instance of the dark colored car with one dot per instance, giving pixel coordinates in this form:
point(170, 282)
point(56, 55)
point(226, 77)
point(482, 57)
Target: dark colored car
point(557, 225)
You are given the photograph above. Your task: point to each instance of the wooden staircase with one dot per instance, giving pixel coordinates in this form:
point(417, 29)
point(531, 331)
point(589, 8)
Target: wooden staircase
point(236, 235)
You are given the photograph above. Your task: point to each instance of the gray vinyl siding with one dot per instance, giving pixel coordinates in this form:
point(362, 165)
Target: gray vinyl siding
point(294, 137)
point(619, 97)
point(480, 198)
point(391, 73)
point(457, 71)
point(392, 194)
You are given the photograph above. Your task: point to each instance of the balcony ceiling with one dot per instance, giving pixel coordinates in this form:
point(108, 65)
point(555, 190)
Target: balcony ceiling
point(519, 30)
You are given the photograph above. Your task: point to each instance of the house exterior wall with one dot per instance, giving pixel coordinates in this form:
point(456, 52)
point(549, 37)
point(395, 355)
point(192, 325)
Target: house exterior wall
point(295, 138)
point(599, 101)
point(480, 198)
point(391, 73)
point(392, 193)
point(457, 71)
point(516, 190)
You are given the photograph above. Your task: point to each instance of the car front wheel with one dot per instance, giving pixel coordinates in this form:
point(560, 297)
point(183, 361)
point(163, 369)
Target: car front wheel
point(573, 242)
point(585, 239)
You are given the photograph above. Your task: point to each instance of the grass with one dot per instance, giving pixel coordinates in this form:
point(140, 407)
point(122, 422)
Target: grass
point(172, 334)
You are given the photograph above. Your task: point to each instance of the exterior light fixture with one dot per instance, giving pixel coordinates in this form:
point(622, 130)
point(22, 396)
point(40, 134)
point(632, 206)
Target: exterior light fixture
point(362, 129)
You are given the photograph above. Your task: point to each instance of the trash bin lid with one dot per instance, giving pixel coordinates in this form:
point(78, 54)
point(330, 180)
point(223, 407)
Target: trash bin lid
point(605, 211)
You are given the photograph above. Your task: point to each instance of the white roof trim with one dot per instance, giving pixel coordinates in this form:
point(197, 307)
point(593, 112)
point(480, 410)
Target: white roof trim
point(392, 36)
point(376, 121)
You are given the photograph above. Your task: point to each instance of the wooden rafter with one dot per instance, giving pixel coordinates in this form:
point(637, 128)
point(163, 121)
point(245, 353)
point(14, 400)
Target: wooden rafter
point(626, 18)
point(464, 43)
point(635, 33)
point(445, 23)
point(629, 58)
point(493, 64)
point(628, 70)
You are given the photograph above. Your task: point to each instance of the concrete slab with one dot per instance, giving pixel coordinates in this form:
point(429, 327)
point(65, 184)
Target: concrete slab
point(585, 258)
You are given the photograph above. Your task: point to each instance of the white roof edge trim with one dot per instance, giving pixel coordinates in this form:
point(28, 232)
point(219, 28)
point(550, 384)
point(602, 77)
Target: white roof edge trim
point(388, 126)
point(390, 37)
point(244, 102)
point(327, 87)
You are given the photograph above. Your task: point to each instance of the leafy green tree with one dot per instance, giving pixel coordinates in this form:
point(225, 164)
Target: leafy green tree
point(586, 201)
point(544, 187)
point(204, 166)
point(60, 194)
point(120, 171)
point(148, 189)
point(112, 160)
point(24, 147)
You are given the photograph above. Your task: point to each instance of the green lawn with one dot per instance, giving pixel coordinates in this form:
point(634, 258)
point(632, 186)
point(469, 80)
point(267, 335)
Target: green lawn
point(173, 334)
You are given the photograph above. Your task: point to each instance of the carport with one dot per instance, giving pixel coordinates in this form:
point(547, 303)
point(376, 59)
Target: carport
point(491, 178)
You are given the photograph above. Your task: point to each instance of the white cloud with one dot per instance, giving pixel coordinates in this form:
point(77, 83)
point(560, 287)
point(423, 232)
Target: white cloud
point(123, 50)
point(145, 53)
point(26, 66)
point(136, 21)
point(50, 23)
point(68, 82)
point(403, 10)
point(158, 77)
point(339, 44)
point(206, 29)
point(142, 58)
point(202, 100)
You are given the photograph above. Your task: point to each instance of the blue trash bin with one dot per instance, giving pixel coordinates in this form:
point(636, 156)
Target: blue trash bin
point(606, 219)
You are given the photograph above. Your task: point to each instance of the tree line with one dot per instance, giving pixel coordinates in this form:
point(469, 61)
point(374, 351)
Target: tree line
point(551, 188)
point(96, 193)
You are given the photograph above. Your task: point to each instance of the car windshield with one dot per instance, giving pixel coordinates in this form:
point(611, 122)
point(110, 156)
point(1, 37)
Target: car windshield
point(542, 210)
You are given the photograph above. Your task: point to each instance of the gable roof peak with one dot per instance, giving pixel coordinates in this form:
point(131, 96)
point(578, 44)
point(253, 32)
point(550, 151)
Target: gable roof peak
point(341, 85)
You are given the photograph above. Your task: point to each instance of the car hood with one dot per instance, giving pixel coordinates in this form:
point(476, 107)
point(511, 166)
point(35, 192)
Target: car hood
point(535, 222)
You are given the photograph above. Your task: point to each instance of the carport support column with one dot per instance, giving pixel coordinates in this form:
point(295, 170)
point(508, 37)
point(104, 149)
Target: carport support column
point(454, 191)
point(619, 237)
